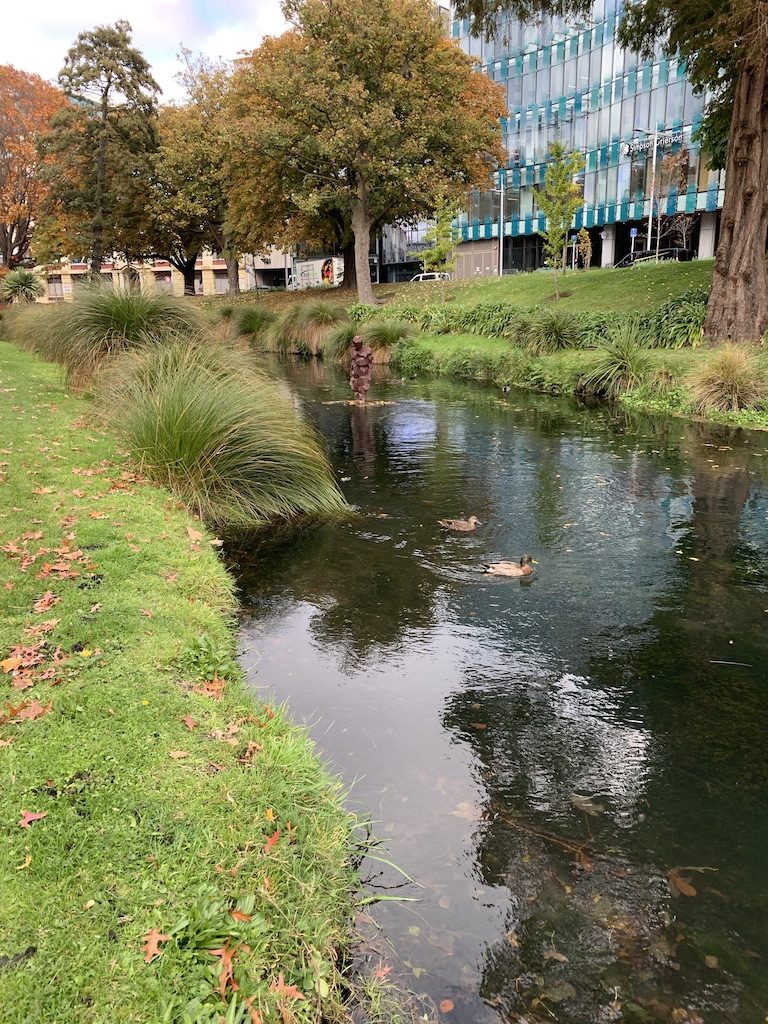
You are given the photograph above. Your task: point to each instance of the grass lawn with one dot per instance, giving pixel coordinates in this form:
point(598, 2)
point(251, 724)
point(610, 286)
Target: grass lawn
point(166, 838)
point(635, 288)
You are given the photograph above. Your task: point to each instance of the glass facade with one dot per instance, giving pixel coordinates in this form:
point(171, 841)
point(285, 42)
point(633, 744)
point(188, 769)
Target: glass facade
point(573, 82)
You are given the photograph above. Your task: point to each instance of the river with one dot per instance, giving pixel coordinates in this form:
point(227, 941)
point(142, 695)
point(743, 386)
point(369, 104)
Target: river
point(572, 768)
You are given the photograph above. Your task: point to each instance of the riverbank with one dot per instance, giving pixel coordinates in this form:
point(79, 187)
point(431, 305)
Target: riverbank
point(664, 387)
point(173, 847)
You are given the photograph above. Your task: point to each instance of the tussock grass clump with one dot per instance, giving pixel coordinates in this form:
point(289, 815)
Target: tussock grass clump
point(284, 334)
point(621, 366)
point(209, 427)
point(101, 323)
point(728, 381)
point(552, 330)
point(339, 340)
point(380, 335)
point(315, 320)
point(252, 321)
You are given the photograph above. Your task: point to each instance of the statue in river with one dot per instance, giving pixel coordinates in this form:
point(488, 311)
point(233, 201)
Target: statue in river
point(362, 367)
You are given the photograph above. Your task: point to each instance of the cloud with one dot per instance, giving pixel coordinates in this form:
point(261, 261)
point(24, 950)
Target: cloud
point(38, 39)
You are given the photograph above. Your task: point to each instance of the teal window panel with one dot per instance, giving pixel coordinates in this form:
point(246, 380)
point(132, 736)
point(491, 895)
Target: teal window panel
point(631, 82)
point(590, 218)
point(487, 229)
point(529, 175)
point(529, 225)
point(455, 30)
point(541, 222)
point(505, 67)
point(573, 46)
point(532, 58)
point(578, 219)
point(604, 155)
point(519, 64)
point(584, 40)
point(475, 230)
point(614, 153)
point(624, 210)
point(546, 57)
point(592, 160)
point(516, 177)
point(610, 214)
point(577, 103)
point(600, 214)
point(561, 108)
point(637, 210)
point(663, 71)
point(645, 82)
point(690, 199)
point(594, 98)
point(560, 48)
point(712, 198)
point(610, 25)
point(464, 233)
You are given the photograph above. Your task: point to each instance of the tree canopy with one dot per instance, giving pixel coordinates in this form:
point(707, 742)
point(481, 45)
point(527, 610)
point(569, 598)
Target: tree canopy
point(362, 112)
point(27, 104)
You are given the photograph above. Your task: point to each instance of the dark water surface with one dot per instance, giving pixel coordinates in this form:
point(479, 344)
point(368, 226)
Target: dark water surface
point(556, 761)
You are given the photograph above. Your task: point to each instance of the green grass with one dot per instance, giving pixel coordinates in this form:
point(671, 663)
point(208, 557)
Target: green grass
point(134, 839)
point(639, 288)
point(206, 424)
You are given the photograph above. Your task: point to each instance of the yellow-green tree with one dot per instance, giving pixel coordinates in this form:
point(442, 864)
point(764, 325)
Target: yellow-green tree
point(362, 109)
point(559, 200)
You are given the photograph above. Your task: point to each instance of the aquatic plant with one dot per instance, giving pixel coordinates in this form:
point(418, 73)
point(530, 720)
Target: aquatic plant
point(101, 323)
point(729, 380)
point(621, 365)
point(226, 441)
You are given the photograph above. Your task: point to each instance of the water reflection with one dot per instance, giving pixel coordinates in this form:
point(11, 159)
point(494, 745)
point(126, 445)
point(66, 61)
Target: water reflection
point(541, 756)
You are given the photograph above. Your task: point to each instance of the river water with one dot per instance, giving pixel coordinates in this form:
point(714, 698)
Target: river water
point(572, 767)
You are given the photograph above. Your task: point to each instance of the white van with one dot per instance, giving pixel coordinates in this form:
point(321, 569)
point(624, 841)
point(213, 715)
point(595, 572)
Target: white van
point(430, 277)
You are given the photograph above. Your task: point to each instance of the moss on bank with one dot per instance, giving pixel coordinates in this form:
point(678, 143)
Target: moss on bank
point(495, 361)
point(157, 796)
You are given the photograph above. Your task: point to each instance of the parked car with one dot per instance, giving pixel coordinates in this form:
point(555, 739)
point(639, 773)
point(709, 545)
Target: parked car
point(632, 259)
point(430, 277)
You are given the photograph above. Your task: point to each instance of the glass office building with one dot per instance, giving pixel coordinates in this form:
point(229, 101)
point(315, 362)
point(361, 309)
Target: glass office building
point(572, 81)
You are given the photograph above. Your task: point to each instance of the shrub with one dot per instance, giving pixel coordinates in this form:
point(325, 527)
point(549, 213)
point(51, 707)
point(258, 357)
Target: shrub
point(101, 323)
point(551, 330)
point(728, 381)
point(361, 312)
point(383, 335)
point(252, 321)
point(315, 319)
point(679, 323)
point(21, 286)
point(226, 441)
point(621, 366)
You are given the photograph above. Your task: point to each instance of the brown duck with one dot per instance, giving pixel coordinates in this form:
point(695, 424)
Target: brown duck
point(522, 568)
point(462, 525)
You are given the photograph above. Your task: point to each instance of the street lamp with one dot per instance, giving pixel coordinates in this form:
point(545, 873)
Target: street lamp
point(500, 193)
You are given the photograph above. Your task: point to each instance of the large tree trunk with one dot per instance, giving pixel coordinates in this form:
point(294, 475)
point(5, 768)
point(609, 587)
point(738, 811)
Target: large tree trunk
point(186, 267)
point(350, 270)
point(738, 303)
point(233, 275)
point(361, 230)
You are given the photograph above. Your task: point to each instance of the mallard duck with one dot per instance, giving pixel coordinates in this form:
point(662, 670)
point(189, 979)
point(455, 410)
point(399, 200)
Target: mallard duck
point(522, 568)
point(463, 525)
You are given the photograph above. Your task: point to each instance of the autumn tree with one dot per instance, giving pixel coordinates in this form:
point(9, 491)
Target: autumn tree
point(99, 145)
point(559, 200)
point(27, 104)
point(362, 109)
point(585, 247)
point(725, 46)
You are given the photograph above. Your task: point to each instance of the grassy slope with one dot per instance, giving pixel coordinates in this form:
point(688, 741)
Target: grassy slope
point(134, 839)
point(643, 287)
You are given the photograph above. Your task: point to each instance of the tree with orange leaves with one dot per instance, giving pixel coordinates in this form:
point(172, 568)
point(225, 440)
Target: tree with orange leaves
point(27, 104)
point(362, 109)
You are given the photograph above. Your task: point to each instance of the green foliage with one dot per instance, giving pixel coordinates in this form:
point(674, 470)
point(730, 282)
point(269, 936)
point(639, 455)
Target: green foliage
point(338, 341)
point(21, 286)
point(253, 320)
point(441, 239)
point(680, 322)
point(729, 380)
point(205, 656)
point(101, 323)
point(205, 424)
point(621, 365)
point(304, 328)
point(585, 248)
point(362, 311)
point(381, 335)
point(551, 330)
point(559, 200)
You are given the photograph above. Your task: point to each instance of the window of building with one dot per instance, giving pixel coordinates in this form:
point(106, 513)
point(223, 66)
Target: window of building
point(55, 287)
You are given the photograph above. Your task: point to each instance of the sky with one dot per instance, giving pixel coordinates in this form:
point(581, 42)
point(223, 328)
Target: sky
point(38, 36)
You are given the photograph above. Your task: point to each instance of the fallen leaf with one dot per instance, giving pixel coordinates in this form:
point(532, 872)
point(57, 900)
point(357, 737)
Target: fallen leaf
point(29, 816)
point(25, 863)
point(27, 711)
point(247, 756)
point(381, 972)
point(6, 743)
point(42, 627)
point(445, 1006)
point(97, 515)
point(281, 988)
point(464, 810)
point(147, 613)
point(478, 725)
point(239, 915)
point(227, 973)
point(43, 490)
point(552, 954)
point(513, 940)
point(269, 814)
point(48, 600)
point(711, 961)
point(680, 886)
point(11, 664)
point(151, 947)
point(271, 840)
point(212, 688)
point(586, 804)
point(178, 754)
point(189, 721)
point(194, 535)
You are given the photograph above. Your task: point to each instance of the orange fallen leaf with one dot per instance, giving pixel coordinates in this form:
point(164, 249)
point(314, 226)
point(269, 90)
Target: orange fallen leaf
point(6, 743)
point(178, 754)
point(151, 947)
point(48, 600)
point(381, 972)
point(189, 721)
point(194, 535)
point(239, 915)
point(29, 816)
point(147, 613)
point(97, 515)
point(272, 840)
point(9, 585)
point(212, 688)
point(11, 664)
point(679, 885)
point(27, 711)
point(247, 756)
point(446, 1006)
point(43, 490)
point(227, 973)
point(42, 627)
point(281, 988)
